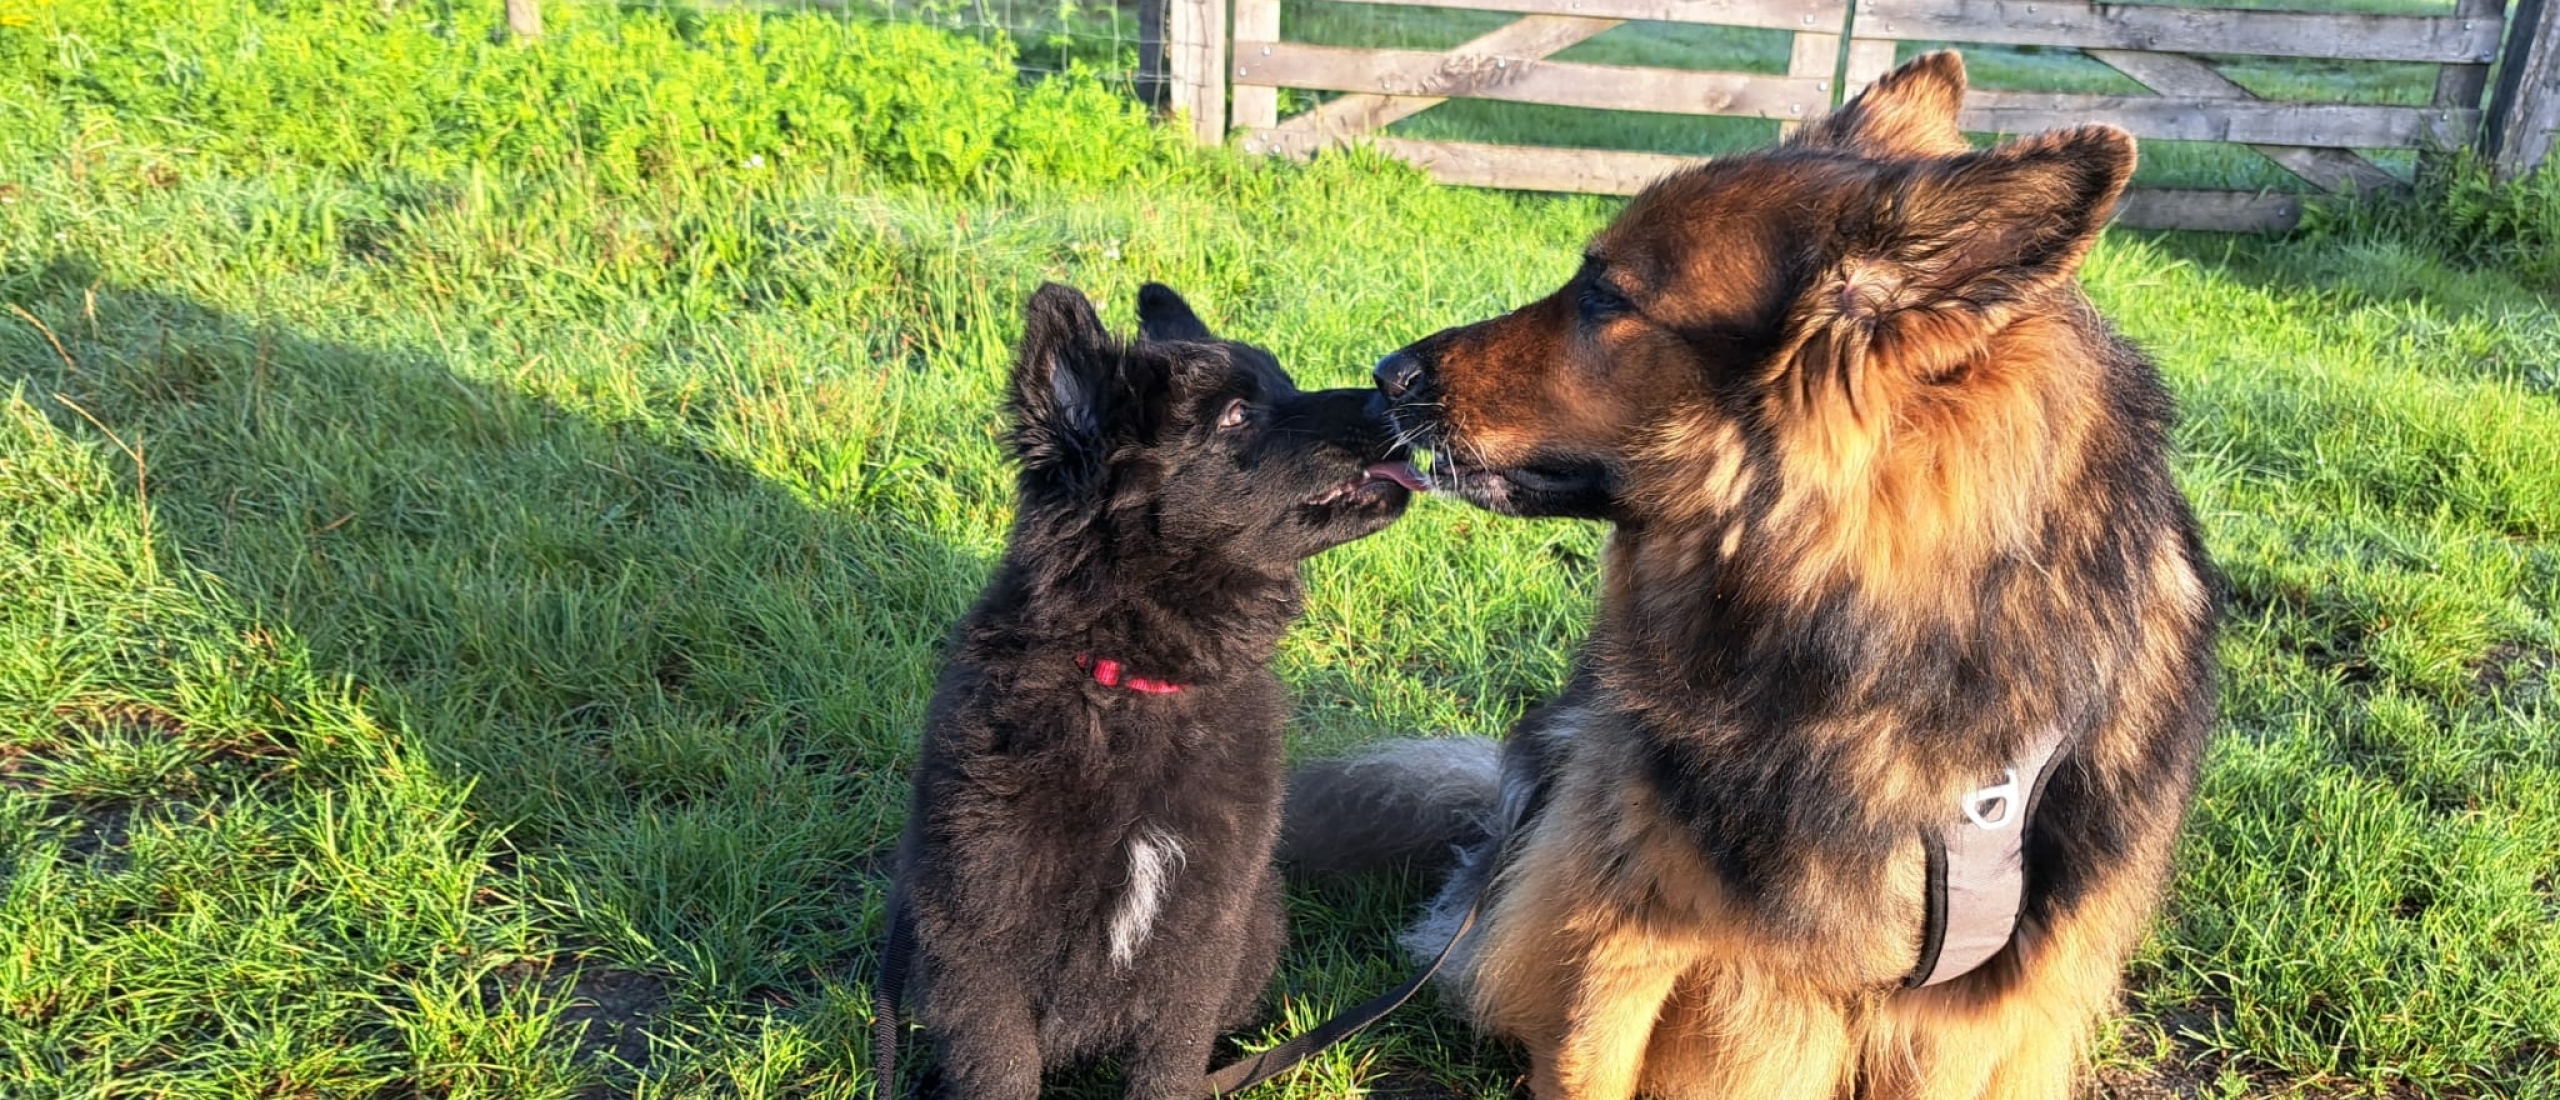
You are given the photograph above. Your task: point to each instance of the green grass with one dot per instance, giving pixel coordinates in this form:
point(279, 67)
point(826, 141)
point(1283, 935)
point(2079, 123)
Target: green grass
point(477, 526)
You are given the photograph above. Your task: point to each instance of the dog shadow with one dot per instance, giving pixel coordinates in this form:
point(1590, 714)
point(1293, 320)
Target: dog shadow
point(685, 697)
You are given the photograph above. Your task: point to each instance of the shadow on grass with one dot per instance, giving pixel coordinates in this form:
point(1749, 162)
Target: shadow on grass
point(684, 698)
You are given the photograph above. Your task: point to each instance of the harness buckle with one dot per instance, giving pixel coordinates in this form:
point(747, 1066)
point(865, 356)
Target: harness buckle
point(2003, 797)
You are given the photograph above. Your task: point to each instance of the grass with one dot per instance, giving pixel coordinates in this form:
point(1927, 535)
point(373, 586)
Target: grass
point(479, 523)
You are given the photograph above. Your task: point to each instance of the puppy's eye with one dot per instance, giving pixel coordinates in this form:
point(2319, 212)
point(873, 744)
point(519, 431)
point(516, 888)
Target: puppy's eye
point(1234, 415)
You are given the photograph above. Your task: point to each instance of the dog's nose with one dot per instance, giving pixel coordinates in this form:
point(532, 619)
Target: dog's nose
point(1398, 373)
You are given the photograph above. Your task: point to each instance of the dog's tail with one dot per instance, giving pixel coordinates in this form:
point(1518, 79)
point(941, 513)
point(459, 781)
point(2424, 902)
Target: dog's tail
point(1412, 803)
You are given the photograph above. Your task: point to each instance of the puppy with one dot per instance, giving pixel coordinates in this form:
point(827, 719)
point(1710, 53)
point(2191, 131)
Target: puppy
point(1086, 868)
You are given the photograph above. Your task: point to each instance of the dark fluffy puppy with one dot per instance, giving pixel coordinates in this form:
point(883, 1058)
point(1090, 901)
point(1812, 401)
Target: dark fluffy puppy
point(1087, 861)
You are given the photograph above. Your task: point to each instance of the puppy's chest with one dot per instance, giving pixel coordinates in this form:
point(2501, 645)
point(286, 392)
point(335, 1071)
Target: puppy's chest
point(1115, 843)
point(1105, 896)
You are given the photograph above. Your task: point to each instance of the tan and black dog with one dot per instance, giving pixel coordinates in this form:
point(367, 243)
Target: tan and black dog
point(1893, 521)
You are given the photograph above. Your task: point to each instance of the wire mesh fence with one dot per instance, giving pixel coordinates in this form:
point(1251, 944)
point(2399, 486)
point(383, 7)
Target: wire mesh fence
point(1117, 40)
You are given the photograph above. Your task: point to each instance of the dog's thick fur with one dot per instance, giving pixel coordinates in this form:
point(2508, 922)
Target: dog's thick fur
point(1087, 868)
point(1889, 498)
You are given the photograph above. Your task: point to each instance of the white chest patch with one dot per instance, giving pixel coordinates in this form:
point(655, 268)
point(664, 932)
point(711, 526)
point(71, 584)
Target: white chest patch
point(1154, 857)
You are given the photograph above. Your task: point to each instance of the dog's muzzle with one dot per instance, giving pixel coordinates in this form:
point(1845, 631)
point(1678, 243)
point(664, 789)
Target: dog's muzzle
point(1399, 375)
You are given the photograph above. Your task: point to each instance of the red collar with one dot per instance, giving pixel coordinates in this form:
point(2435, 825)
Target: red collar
point(1106, 672)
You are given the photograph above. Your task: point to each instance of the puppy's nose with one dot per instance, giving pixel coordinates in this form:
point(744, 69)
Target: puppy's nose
point(1398, 373)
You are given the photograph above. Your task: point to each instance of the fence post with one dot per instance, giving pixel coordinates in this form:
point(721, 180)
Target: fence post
point(2462, 87)
point(1196, 65)
point(1817, 56)
point(1257, 21)
point(524, 19)
point(1151, 80)
point(2526, 110)
point(1869, 58)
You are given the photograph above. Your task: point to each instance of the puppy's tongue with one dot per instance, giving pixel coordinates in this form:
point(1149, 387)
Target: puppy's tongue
point(1402, 473)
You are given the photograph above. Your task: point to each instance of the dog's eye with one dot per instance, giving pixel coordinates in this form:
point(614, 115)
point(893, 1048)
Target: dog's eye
point(1234, 414)
point(1600, 301)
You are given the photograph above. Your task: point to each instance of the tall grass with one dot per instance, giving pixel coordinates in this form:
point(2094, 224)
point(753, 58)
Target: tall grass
point(2461, 212)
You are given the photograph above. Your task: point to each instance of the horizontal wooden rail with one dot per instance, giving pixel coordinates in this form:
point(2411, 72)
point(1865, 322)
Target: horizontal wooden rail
point(1785, 15)
point(2218, 211)
point(1420, 73)
point(2175, 75)
point(1522, 80)
point(2252, 121)
point(1609, 172)
point(2184, 30)
point(1534, 37)
point(1515, 167)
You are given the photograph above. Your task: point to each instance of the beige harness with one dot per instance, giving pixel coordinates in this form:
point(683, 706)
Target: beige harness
point(1978, 870)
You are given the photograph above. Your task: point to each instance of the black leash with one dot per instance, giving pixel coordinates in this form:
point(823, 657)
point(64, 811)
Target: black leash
point(1234, 1078)
point(885, 992)
point(1281, 1059)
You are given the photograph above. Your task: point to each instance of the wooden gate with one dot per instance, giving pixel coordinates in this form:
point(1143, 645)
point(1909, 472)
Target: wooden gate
point(1510, 63)
point(2178, 53)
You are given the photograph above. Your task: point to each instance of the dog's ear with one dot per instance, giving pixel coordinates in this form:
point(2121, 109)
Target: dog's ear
point(1163, 315)
point(1909, 112)
point(1943, 250)
point(1990, 227)
point(1062, 384)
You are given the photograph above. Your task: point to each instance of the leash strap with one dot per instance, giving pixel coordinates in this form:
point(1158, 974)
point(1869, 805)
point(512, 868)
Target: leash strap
point(1978, 871)
point(1248, 1072)
point(885, 992)
point(1237, 1077)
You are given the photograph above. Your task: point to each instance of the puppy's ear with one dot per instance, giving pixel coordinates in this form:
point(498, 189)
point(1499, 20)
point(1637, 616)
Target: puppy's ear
point(1937, 260)
point(1163, 315)
point(1909, 112)
point(1062, 385)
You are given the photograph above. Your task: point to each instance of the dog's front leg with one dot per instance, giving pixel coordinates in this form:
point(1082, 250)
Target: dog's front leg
point(990, 1046)
point(1616, 998)
point(1170, 1062)
point(1169, 1054)
point(1169, 1059)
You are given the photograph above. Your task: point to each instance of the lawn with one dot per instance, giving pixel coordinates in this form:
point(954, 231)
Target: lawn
point(477, 525)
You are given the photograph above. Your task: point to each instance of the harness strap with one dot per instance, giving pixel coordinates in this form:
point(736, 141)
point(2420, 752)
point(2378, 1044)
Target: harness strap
point(1977, 882)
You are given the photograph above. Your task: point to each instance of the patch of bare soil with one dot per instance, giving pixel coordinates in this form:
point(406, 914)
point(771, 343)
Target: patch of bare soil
point(2152, 1083)
point(1400, 1082)
point(91, 831)
point(609, 1010)
point(2510, 664)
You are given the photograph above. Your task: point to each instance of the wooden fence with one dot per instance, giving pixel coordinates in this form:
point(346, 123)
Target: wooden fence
point(1510, 63)
point(1198, 62)
point(2173, 51)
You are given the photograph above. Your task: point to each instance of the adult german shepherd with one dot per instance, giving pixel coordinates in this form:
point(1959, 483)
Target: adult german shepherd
point(1892, 514)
